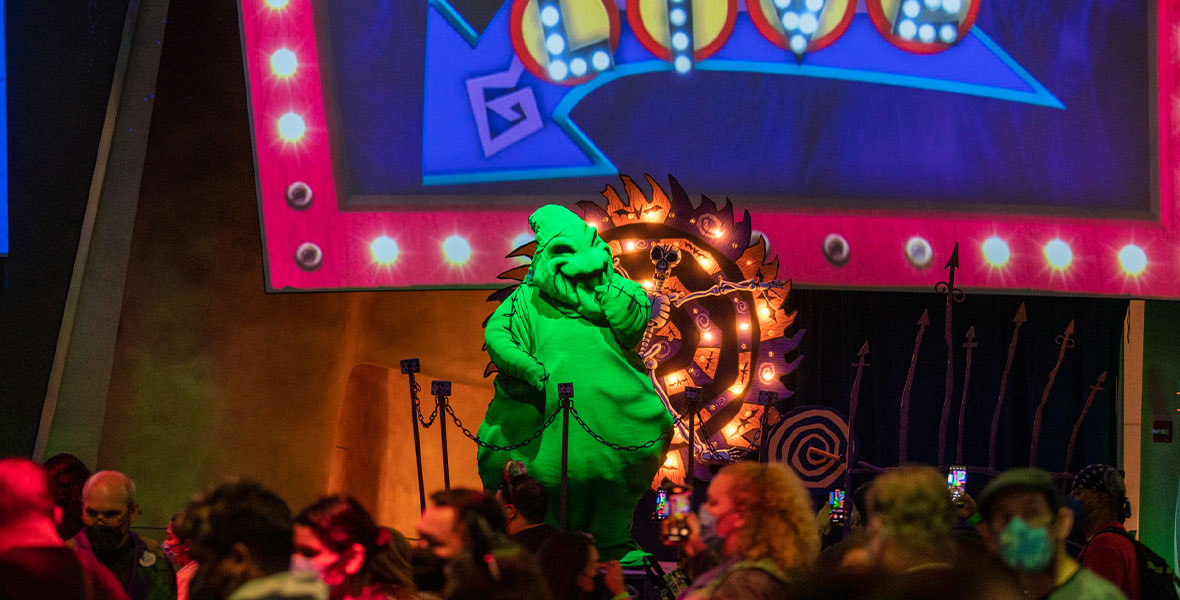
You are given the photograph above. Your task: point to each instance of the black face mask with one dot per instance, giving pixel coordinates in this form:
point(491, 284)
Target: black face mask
point(104, 538)
point(428, 570)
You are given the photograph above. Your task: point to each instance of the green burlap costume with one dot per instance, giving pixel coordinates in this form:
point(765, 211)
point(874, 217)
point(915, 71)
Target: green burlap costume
point(575, 320)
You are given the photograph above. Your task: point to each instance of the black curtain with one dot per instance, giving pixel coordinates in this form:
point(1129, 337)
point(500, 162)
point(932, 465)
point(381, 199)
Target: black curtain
point(838, 324)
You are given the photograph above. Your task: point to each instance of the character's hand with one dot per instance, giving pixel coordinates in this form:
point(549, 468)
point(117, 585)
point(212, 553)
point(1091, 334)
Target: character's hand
point(613, 572)
point(538, 383)
point(661, 308)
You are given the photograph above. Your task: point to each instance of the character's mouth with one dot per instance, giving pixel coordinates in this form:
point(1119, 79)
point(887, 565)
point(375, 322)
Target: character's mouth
point(580, 287)
point(588, 281)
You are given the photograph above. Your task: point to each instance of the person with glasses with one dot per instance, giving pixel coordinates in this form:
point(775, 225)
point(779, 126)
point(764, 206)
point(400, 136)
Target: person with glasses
point(177, 551)
point(108, 509)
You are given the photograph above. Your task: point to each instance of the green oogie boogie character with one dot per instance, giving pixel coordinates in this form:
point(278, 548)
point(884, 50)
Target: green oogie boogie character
point(575, 320)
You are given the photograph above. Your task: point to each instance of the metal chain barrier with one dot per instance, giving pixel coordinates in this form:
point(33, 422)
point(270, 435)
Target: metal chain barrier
point(418, 408)
point(493, 447)
point(666, 435)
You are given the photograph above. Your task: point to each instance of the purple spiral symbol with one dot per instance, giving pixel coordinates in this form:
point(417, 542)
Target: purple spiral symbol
point(702, 321)
point(807, 439)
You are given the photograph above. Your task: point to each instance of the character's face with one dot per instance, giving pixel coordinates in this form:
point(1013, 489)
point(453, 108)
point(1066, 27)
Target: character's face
point(571, 265)
point(664, 257)
point(439, 533)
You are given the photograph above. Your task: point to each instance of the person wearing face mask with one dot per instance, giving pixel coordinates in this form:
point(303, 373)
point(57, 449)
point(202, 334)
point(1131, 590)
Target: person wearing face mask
point(1026, 525)
point(336, 538)
point(108, 509)
point(242, 535)
point(756, 526)
point(1098, 498)
point(177, 551)
point(456, 521)
point(569, 563)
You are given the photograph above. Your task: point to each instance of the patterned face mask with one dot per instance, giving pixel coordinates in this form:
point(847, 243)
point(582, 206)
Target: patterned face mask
point(1025, 549)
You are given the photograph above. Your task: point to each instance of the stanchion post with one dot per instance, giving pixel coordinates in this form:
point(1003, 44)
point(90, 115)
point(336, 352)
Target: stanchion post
point(409, 367)
point(767, 399)
point(441, 390)
point(692, 396)
point(565, 391)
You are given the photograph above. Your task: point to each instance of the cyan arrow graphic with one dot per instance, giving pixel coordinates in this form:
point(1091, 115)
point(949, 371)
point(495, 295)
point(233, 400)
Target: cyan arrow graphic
point(455, 53)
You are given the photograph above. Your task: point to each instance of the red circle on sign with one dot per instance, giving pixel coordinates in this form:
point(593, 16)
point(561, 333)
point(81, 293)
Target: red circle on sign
point(885, 28)
point(778, 38)
point(515, 25)
point(635, 19)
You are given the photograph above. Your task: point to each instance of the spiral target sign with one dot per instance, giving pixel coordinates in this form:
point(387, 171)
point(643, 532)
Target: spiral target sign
point(807, 439)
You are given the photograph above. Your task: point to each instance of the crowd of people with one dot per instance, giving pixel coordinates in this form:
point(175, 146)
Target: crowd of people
point(66, 533)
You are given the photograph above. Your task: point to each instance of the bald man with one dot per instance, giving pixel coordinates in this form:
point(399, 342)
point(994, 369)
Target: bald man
point(33, 561)
point(108, 508)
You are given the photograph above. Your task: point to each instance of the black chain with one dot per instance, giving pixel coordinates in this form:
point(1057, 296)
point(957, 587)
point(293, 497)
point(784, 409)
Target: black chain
point(666, 435)
point(493, 447)
point(418, 407)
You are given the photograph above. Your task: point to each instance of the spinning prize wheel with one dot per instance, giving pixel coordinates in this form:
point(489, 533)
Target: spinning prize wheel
point(727, 330)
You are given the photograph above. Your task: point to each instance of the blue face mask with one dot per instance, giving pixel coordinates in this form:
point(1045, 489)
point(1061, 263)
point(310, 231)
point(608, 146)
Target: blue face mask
point(1076, 507)
point(709, 535)
point(1077, 535)
point(1026, 549)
